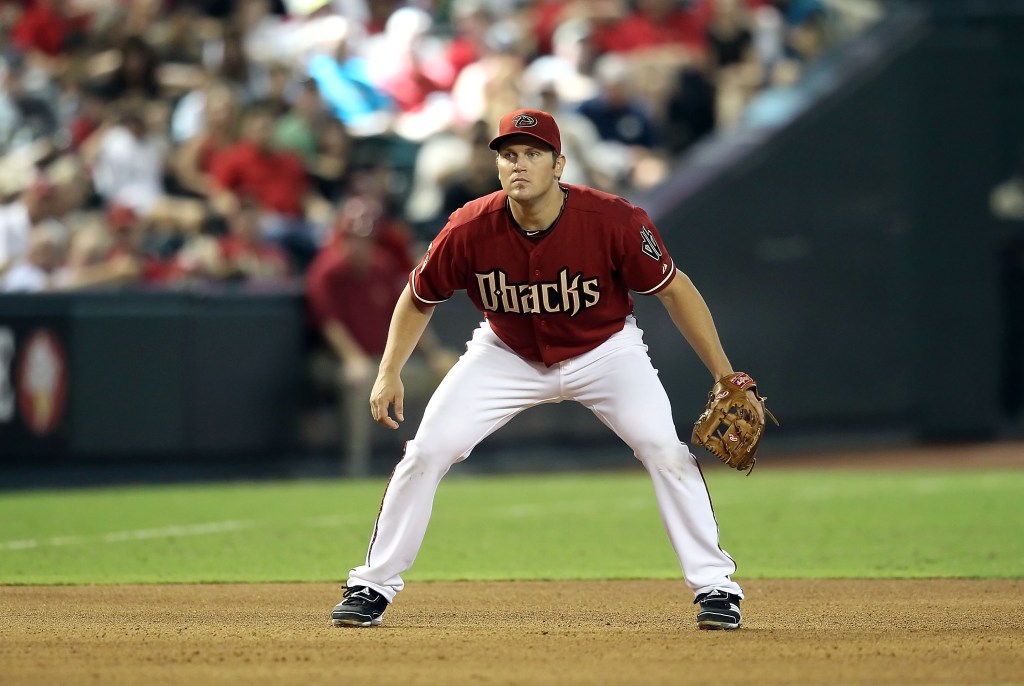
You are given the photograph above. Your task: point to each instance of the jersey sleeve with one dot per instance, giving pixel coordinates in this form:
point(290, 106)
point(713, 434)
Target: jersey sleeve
point(646, 266)
point(441, 271)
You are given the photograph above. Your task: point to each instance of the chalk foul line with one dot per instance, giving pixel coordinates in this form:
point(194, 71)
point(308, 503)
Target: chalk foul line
point(173, 531)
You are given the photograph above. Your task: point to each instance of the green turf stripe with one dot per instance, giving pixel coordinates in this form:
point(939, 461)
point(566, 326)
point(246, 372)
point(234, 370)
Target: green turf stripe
point(792, 524)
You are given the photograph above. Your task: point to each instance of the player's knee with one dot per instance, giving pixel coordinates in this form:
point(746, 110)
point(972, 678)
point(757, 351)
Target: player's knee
point(430, 456)
point(661, 455)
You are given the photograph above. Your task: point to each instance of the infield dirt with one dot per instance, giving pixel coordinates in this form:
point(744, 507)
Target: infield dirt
point(537, 633)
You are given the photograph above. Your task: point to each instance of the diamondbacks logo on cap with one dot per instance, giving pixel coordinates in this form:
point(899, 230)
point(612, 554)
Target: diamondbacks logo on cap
point(524, 121)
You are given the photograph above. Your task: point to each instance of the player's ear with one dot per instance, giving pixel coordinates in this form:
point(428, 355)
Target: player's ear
point(558, 164)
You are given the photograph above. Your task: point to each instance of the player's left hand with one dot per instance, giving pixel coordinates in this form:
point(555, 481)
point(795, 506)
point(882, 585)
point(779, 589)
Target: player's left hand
point(388, 391)
point(732, 422)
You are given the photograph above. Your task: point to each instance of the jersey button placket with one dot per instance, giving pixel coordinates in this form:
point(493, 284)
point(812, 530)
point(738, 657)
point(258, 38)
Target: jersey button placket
point(541, 322)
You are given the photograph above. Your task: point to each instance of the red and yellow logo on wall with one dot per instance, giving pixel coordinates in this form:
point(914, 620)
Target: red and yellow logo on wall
point(42, 382)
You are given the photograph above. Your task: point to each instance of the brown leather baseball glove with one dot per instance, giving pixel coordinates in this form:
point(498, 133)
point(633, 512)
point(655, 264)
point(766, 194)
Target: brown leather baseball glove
point(730, 427)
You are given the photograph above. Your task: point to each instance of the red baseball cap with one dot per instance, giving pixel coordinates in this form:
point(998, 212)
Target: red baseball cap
point(533, 123)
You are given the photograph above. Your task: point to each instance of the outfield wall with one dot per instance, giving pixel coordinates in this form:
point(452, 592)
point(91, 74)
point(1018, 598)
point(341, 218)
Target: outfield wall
point(146, 375)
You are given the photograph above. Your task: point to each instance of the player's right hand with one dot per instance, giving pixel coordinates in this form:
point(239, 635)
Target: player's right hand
point(387, 391)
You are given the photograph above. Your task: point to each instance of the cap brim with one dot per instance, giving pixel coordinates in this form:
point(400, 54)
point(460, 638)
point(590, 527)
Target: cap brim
point(497, 140)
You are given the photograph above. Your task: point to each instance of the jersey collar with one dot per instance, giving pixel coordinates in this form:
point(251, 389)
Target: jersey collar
point(539, 233)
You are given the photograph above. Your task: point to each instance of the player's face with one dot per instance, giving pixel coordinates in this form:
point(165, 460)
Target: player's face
point(528, 169)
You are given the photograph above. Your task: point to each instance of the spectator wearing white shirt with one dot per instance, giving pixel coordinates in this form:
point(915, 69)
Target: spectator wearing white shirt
point(128, 171)
point(37, 201)
point(34, 272)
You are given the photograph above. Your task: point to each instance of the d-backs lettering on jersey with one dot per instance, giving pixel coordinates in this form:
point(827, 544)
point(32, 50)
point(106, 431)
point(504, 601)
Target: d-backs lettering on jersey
point(569, 294)
point(555, 297)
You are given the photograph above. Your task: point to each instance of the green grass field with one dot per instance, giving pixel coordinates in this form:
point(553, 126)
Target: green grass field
point(786, 524)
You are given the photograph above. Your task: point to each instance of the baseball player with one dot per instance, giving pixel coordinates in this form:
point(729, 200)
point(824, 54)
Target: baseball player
point(551, 267)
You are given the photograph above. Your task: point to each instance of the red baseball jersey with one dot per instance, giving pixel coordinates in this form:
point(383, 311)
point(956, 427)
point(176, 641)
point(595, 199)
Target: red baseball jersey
point(559, 293)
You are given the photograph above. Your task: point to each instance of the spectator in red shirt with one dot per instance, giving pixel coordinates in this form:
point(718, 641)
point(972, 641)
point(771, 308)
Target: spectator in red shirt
point(45, 25)
point(370, 193)
point(659, 24)
point(275, 180)
point(351, 289)
point(352, 284)
point(193, 159)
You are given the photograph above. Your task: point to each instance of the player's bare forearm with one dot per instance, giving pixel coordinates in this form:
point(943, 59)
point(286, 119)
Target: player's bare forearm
point(691, 315)
point(407, 326)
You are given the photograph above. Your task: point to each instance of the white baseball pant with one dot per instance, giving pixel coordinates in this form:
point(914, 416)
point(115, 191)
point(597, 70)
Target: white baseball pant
point(489, 386)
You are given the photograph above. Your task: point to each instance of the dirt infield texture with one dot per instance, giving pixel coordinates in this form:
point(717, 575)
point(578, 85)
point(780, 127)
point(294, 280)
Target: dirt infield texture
point(594, 632)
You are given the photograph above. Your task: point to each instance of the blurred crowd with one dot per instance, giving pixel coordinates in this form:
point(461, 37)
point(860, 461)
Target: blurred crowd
point(162, 143)
point(317, 146)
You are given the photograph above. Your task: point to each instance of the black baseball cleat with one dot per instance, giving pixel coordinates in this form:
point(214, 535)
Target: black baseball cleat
point(718, 610)
point(362, 606)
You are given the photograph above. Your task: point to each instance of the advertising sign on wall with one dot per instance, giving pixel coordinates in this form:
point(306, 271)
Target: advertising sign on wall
point(34, 386)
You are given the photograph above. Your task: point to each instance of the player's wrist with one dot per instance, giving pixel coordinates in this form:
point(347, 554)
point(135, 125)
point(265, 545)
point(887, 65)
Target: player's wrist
point(386, 369)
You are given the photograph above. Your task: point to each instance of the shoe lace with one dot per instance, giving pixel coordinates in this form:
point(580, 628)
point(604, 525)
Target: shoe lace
point(713, 595)
point(363, 591)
